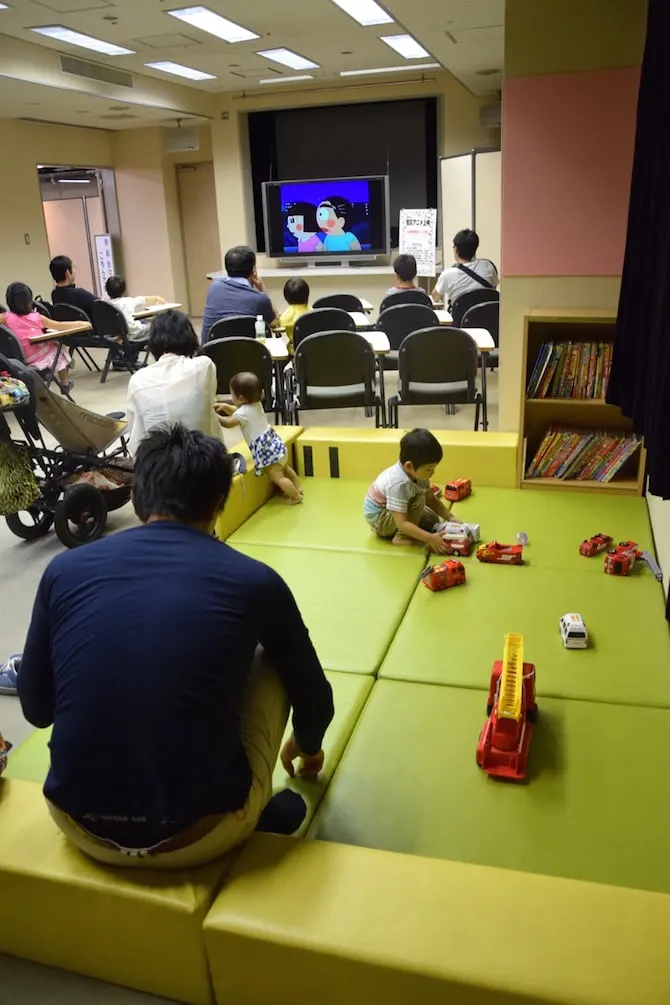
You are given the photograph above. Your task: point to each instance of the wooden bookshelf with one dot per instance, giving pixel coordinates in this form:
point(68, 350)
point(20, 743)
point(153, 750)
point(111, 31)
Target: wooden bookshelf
point(571, 325)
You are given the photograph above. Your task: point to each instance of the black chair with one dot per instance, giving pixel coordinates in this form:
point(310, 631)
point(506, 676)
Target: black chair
point(436, 366)
point(10, 345)
point(43, 308)
point(78, 343)
point(398, 322)
point(236, 354)
point(468, 300)
point(334, 370)
point(234, 325)
point(322, 319)
point(485, 316)
point(401, 297)
point(112, 333)
point(345, 302)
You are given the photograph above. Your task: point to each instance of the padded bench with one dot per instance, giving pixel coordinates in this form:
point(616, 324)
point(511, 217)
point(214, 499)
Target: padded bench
point(342, 925)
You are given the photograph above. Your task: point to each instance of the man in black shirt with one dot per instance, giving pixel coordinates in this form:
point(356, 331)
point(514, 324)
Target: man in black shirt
point(65, 290)
point(143, 653)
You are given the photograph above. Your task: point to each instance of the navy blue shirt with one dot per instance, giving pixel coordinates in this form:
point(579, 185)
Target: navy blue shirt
point(139, 652)
point(234, 296)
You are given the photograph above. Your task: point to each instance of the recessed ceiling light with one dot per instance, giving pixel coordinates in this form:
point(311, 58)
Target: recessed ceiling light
point(207, 20)
point(62, 34)
point(288, 58)
point(365, 11)
point(406, 46)
point(179, 70)
point(389, 69)
point(3, 6)
point(287, 80)
point(73, 181)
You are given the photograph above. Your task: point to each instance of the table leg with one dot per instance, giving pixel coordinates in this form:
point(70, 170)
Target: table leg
point(382, 390)
point(485, 414)
point(279, 389)
point(59, 350)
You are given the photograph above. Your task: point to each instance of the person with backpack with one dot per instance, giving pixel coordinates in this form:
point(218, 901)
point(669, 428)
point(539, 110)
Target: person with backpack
point(468, 273)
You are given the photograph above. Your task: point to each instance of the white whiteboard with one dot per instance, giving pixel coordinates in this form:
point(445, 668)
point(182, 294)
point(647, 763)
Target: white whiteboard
point(477, 205)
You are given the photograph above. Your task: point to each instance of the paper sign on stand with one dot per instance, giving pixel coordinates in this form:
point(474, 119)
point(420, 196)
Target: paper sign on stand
point(417, 237)
point(104, 260)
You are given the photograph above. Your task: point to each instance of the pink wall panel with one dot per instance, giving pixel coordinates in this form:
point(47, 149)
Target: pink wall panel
point(567, 160)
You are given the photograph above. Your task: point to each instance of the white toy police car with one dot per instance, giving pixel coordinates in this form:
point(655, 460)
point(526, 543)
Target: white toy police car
point(573, 631)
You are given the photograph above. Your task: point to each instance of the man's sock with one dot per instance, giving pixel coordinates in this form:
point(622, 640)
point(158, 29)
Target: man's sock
point(283, 814)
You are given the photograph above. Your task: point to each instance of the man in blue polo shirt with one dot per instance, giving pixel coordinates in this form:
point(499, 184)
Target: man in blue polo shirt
point(143, 652)
point(241, 293)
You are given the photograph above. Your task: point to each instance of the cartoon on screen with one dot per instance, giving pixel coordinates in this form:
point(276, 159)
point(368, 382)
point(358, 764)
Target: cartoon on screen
point(331, 216)
point(301, 224)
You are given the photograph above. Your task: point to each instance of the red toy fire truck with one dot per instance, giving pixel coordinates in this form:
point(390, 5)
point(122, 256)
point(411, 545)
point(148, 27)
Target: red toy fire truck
point(443, 575)
point(594, 545)
point(503, 745)
point(621, 559)
point(500, 554)
point(458, 538)
point(459, 489)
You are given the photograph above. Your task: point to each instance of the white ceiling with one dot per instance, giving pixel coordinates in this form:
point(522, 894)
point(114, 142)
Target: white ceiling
point(465, 36)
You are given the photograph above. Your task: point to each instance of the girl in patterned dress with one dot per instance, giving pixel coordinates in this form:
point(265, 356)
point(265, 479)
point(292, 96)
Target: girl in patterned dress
point(267, 447)
point(25, 322)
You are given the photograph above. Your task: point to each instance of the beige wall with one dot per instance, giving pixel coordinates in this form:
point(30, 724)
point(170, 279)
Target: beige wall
point(25, 145)
point(459, 131)
point(659, 511)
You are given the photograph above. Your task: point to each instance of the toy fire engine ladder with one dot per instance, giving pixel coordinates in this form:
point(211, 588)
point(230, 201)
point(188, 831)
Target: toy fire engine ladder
point(511, 678)
point(647, 557)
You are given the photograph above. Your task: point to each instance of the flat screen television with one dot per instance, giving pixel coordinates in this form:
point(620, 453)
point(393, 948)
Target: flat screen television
point(340, 218)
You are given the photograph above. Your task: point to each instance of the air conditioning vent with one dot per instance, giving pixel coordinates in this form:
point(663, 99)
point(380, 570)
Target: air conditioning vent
point(95, 71)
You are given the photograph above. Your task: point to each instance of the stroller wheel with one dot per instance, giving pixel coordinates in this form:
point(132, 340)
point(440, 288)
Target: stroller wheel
point(81, 516)
point(30, 523)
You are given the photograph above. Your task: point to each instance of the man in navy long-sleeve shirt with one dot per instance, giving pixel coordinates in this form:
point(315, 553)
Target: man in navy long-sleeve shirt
point(142, 653)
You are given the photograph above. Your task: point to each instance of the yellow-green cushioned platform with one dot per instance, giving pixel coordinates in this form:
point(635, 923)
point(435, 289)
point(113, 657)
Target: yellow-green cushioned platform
point(331, 517)
point(138, 928)
point(593, 808)
point(30, 761)
point(556, 523)
point(351, 925)
point(454, 636)
point(351, 603)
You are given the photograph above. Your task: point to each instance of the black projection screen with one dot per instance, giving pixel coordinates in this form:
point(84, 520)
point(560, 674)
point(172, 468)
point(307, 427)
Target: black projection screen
point(349, 141)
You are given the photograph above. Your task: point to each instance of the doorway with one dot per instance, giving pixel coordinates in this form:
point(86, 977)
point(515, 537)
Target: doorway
point(200, 230)
point(78, 217)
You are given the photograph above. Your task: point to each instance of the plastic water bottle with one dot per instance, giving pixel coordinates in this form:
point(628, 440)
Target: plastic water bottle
point(259, 327)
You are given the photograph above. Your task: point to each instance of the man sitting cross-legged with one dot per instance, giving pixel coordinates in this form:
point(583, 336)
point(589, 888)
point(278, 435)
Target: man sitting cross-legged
point(144, 652)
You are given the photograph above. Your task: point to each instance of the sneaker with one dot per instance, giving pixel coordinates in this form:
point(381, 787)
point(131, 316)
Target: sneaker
point(9, 674)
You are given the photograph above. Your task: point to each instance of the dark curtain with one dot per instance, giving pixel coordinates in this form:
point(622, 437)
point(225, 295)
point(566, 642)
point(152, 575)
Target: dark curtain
point(640, 378)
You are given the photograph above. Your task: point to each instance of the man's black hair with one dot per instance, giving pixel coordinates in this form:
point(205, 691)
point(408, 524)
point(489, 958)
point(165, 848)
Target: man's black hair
point(404, 267)
point(466, 243)
point(171, 331)
point(59, 267)
point(296, 291)
point(115, 287)
point(308, 211)
point(19, 298)
point(180, 473)
point(341, 205)
point(420, 447)
point(240, 262)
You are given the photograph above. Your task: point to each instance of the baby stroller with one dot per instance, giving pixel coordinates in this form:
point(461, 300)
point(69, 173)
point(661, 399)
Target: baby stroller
point(77, 481)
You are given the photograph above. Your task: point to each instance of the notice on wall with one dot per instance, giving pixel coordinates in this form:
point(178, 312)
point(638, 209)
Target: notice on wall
point(104, 260)
point(417, 237)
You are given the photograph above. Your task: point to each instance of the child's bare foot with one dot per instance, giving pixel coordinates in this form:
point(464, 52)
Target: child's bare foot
point(294, 502)
point(402, 541)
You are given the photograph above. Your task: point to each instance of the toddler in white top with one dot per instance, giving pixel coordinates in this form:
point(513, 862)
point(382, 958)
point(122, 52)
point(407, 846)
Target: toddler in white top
point(267, 447)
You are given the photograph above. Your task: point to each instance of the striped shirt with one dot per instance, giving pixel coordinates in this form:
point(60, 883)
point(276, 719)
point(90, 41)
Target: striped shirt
point(392, 490)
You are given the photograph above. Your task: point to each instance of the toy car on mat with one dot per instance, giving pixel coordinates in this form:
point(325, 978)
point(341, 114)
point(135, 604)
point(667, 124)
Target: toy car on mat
point(459, 489)
point(573, 631)
point(504, 741)
point(495, 553)
point(457, 537)
point(443, 575)
point(621, 560)
point(594, 545)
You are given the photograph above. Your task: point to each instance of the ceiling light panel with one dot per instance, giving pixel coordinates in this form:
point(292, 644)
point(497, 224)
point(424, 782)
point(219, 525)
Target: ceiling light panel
point(389, 69)
point(288, 58)
point(3, 6)
point(179, 70)
point(214, 24)
point(366, 12)
point(61, 34)
point(287, 80)
point(406, 46)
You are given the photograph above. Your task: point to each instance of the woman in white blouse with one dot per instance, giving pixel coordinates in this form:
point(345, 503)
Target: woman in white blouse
point(178, 387)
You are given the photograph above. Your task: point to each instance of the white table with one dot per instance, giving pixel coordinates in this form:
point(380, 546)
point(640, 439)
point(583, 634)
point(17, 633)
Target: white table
point(151, 312)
